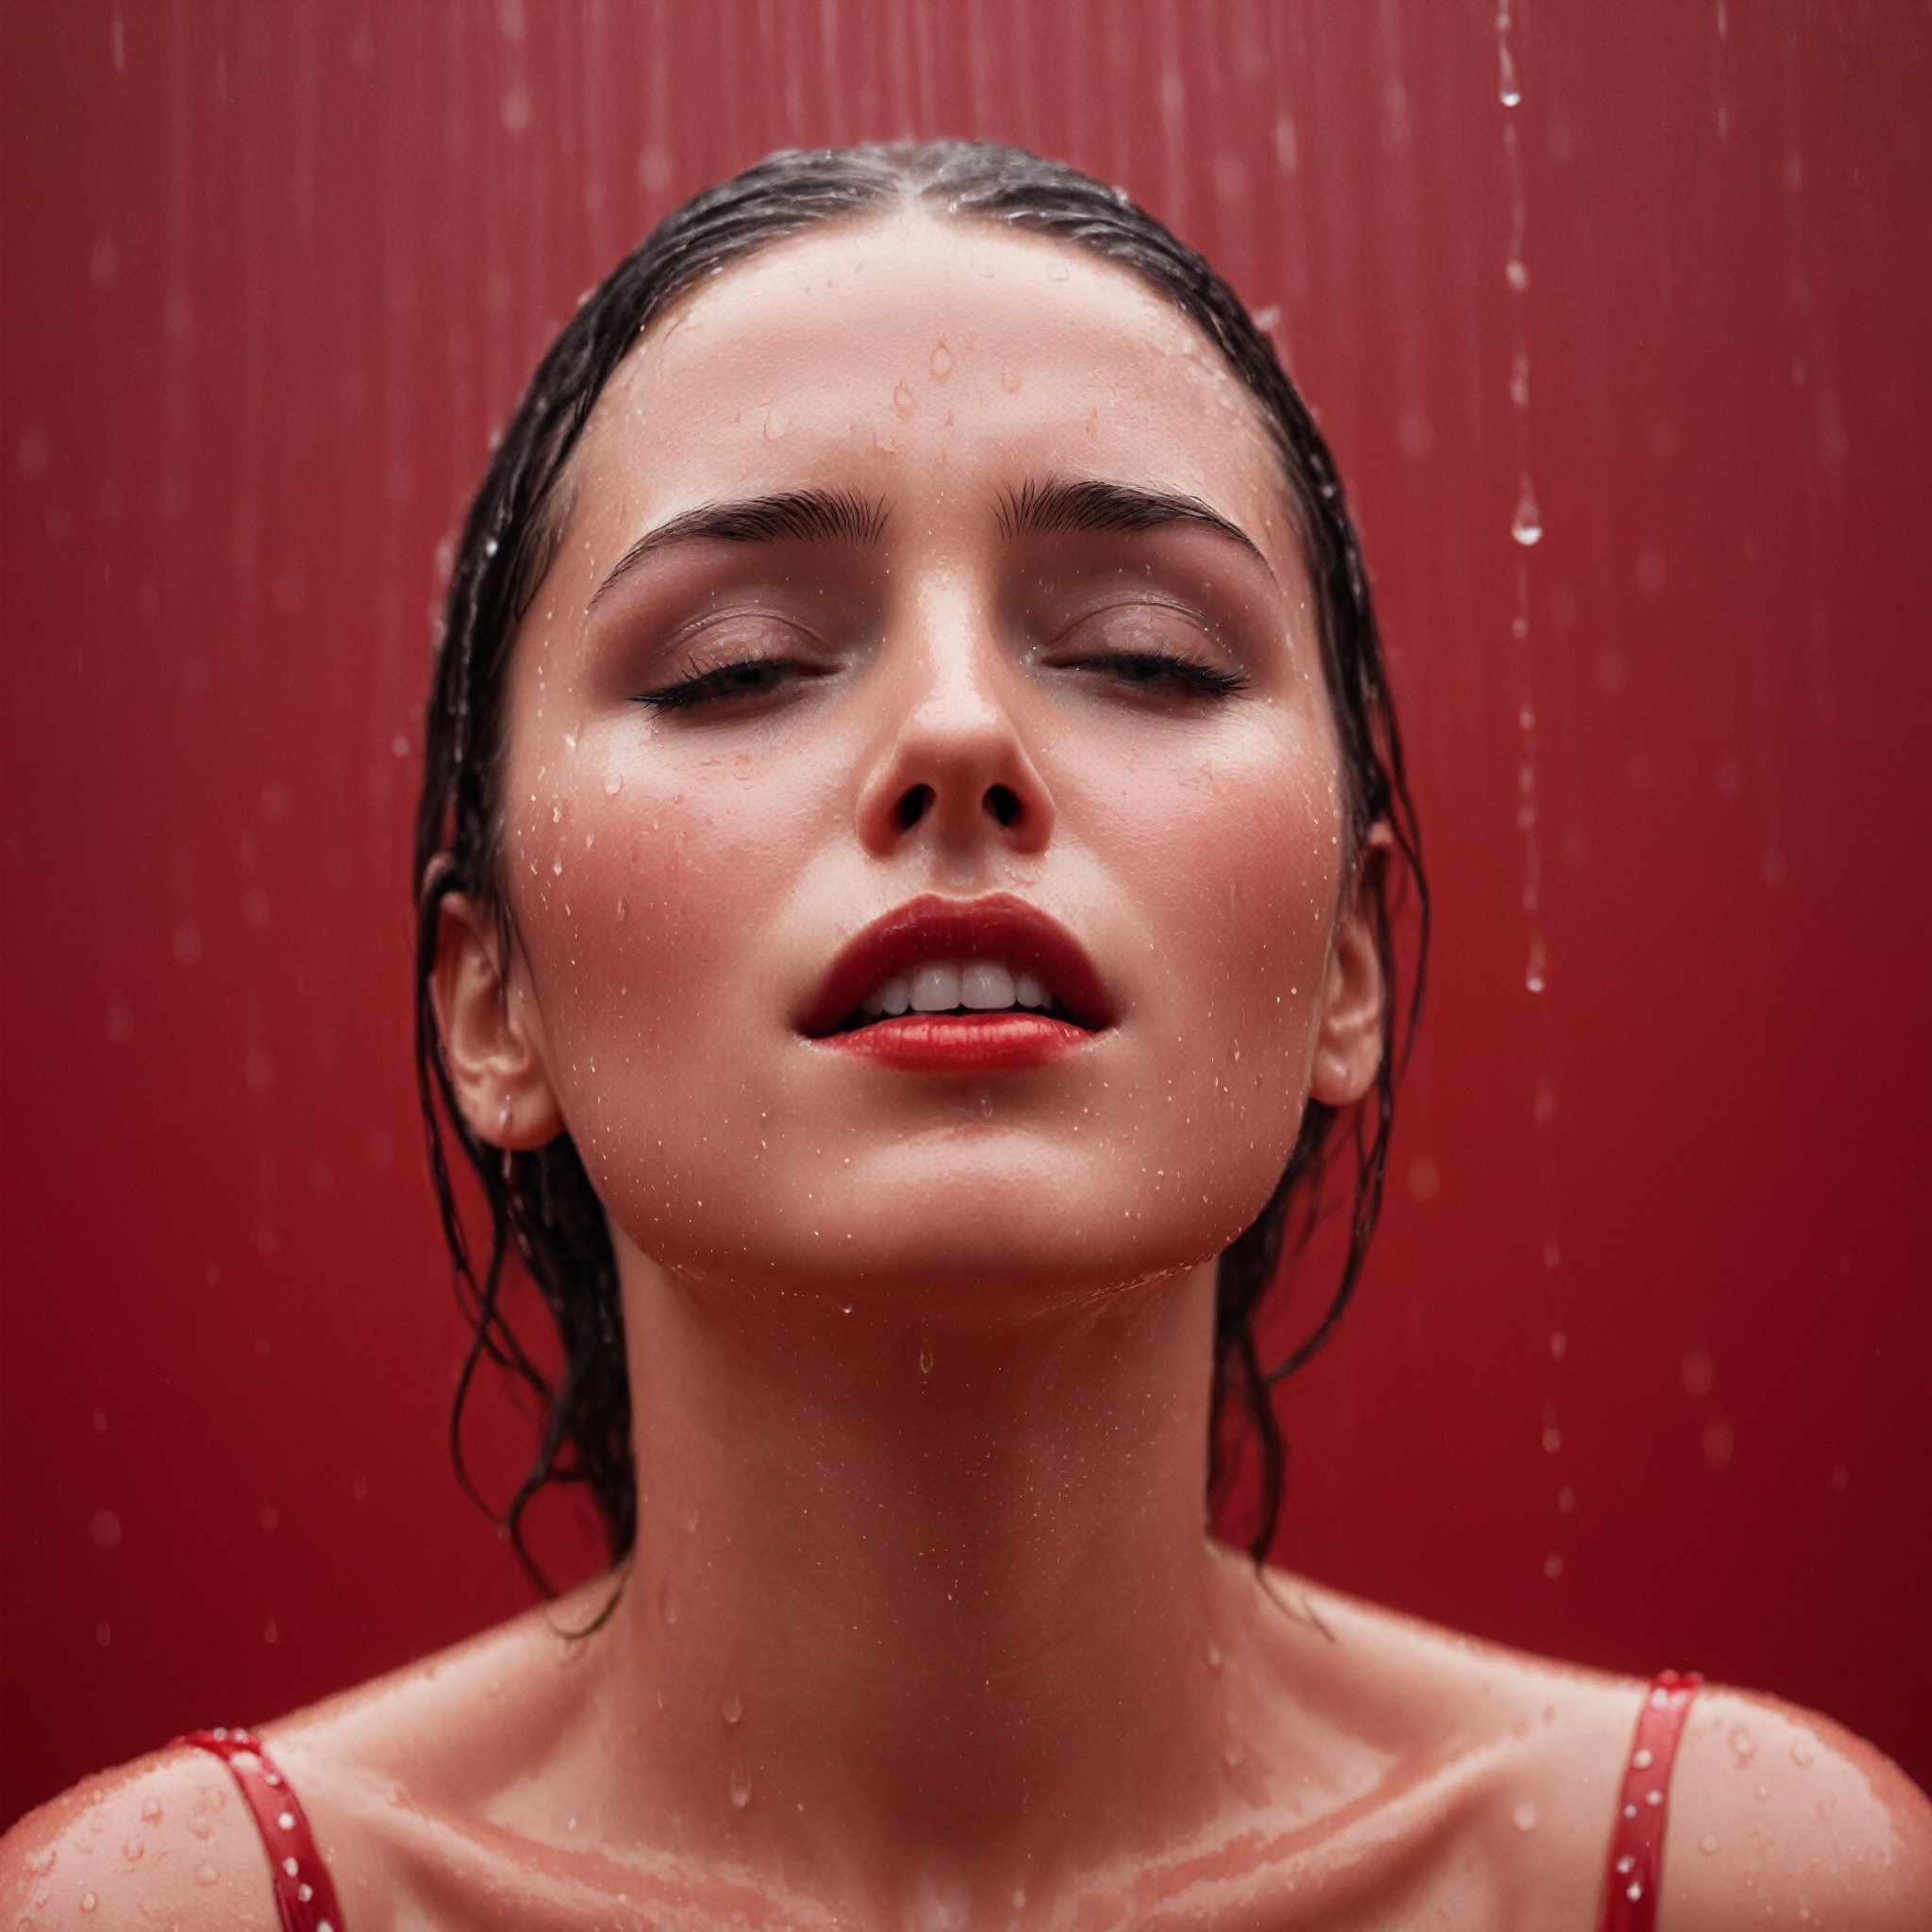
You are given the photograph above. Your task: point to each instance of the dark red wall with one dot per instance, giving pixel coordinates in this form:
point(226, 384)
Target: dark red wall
point(1640, 1374)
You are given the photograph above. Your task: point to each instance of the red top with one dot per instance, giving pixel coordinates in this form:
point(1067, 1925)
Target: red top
point(304, 1895)
point(1636, 1839)
point(306, 1900)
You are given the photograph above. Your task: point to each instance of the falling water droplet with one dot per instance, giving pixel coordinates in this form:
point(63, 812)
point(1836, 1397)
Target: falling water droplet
point(740, 1789)
point(1536, 976)
point(667, 1601)
point(732, 1708)
point(940, 362)
point(1527, 524)
point(925, 1357)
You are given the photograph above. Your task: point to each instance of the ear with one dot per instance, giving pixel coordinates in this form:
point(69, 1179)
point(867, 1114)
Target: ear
point(1348, 1047)
point(492, 1036)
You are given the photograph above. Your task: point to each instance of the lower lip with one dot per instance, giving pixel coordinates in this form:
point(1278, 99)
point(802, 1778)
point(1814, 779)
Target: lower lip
point(961, 1043)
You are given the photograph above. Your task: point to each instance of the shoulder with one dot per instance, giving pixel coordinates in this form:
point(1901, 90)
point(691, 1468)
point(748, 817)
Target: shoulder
point(1779, 1815)
point(164, 1839)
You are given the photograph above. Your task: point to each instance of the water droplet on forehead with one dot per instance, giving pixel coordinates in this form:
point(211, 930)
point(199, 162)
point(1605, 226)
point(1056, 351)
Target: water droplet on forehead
point(941, 361)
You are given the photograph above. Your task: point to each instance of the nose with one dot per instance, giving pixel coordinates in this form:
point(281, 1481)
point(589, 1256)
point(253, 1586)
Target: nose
point(952, 765)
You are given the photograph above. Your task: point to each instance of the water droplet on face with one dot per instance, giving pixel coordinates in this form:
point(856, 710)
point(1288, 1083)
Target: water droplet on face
point(732, 1708)
point(41, 1861)
point(132, 1850)
point(88, 1901)
point(925, 1357)
point(667, 1601)
point(613, 784)
point(740, 1789)
point(1801, 1754)
point(904, 401)
point(941, 361)
point(206, 1874)
point(1057, 271)
point(1743, 1746)
point(1211, 1651)
point(1523, 1817)
point(1707, 1843)
point(776, 423)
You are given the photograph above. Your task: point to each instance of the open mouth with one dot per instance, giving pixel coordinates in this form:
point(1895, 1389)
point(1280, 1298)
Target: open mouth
point(961, 966)
point(979, 991)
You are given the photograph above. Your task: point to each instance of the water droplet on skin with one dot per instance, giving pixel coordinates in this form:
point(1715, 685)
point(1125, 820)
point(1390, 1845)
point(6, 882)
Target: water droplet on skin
point(667, 1601)
point(613, 784)
point(733, 1706)
point(1743, 1746)
point(776, 423)
point(1517, 272)
point(925, 1357)
point(1707, 1843)
point(132, 1850)
point(1801, 1754)
point(904, 401)
point(1523, 1817)
point(41, 1861)
point(1232, 1752)
point(740, 1790)
point(88, 1901)
point(206, 1874)
point(1211, 1651)
point(1057, 271)
point(940, 362)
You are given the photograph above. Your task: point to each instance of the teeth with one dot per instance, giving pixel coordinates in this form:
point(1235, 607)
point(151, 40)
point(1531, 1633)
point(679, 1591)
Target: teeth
point(937, 986)
point(985, 983)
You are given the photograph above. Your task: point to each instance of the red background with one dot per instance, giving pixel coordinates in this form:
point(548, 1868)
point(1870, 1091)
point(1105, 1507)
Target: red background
point(1640, 1372)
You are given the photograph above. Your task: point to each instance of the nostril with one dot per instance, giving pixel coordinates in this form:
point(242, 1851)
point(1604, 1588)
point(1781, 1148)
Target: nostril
point(912, 807)
point(1002, 803)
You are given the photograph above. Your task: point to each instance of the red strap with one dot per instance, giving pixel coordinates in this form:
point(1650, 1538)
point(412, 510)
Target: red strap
point(304, 1895)
point(1637, 1842)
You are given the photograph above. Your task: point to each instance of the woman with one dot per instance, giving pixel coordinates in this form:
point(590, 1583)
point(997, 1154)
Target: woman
point(908, 855)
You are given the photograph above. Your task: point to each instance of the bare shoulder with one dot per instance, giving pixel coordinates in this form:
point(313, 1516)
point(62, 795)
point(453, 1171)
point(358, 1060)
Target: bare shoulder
point(169, 1838)
point(1780, 1815)
point(164, 1839)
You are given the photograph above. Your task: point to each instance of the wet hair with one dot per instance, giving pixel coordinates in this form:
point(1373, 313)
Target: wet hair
point(540, 1201)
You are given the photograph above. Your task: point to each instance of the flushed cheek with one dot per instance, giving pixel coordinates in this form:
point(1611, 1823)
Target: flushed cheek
point(1242, 917)
point(636, 947)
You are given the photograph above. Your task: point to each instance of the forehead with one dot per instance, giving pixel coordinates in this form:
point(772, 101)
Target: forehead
point(914, 356)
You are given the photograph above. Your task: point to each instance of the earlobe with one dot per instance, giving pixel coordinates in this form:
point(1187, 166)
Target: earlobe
point(1349, 1045)
point(491, 1041)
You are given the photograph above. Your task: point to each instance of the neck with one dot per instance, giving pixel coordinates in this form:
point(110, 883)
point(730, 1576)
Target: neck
point(935, 1594)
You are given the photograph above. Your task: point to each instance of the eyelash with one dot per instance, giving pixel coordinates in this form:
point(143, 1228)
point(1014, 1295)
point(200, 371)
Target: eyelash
point(1142, 670)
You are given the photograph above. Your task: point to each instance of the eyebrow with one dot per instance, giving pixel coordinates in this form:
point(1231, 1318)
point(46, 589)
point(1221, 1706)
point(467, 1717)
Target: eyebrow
point(1057, 504)
point(799, 516)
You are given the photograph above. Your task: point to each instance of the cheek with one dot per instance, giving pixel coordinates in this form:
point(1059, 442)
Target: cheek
point(1243, 869)
point(633, 902)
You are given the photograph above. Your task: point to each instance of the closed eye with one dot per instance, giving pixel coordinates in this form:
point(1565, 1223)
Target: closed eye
point(745, 679)
point(1164, 669)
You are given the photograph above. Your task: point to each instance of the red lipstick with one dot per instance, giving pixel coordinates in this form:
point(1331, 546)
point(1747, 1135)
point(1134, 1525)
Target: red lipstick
point(996, 927)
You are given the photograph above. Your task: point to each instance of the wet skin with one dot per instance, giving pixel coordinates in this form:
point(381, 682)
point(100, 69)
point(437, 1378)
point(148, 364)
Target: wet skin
point(921, 1627)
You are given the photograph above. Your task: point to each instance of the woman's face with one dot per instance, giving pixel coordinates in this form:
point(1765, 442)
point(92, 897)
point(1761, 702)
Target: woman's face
point(736, 739)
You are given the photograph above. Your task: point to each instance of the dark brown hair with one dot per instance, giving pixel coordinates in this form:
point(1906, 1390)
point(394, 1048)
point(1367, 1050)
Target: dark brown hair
point(542, 1200)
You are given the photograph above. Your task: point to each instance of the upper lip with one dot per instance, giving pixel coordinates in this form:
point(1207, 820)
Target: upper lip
point(997, 927)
